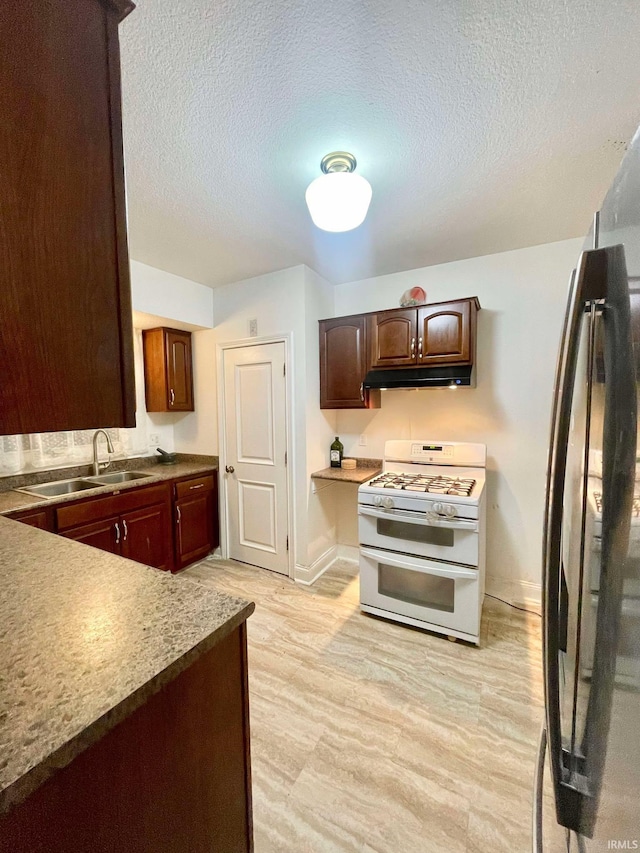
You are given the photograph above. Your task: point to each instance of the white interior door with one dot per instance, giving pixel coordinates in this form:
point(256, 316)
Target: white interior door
point(256, 445)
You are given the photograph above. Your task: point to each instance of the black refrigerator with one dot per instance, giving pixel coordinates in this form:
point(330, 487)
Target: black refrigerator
point(587, 785)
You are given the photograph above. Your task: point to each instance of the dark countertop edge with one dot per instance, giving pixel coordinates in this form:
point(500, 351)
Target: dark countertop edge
point(21, 788)
point(164, 475)
point(357, 475)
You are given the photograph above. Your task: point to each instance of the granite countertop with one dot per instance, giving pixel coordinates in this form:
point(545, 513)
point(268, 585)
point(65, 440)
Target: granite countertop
point(85, 638)
point(365, 469)
point(11, 500)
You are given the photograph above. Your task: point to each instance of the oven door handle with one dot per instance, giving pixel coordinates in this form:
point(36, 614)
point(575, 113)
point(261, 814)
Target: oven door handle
point(413, 565)
point(424, 519)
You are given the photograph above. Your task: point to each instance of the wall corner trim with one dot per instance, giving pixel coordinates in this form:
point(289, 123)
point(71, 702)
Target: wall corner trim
point(308, 575)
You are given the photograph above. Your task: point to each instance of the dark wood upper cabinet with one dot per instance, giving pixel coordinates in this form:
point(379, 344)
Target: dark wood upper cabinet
point(168, 370)
point(446, 332)
point(344, 362)
point(393, 337)
point(66, 339)
point(441, 334)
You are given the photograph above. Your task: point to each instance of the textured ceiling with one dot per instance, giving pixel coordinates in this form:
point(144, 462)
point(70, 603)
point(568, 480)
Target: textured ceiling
point(482, 125)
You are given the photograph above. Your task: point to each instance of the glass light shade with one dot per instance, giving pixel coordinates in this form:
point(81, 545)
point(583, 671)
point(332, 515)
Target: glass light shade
point(338, 201)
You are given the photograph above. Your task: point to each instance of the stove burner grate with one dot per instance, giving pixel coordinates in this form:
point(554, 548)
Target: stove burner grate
point(439, 485)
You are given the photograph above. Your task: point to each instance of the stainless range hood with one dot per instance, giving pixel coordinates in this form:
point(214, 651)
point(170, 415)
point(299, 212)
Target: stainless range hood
point(422, 377)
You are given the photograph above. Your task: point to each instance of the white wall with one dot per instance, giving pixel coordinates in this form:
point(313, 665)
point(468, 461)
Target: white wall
point(197, 432)
point(320, 431)
point(161, 298)
point(169, 296)
point(522, 294)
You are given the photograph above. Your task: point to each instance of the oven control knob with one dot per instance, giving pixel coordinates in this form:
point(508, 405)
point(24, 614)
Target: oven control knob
point(377, 501)
point(444, 509)
point(387, 502)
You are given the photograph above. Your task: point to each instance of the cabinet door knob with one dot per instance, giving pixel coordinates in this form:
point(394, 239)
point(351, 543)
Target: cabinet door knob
point(362, 391)
point(413, 346)
point(178, 514)
point(229, 469)
point(117, 527)
point(125, 529)
point(172, 396)
point(420, 346)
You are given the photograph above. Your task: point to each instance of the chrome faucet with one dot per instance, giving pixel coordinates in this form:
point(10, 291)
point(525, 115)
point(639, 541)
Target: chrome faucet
point(100, 466)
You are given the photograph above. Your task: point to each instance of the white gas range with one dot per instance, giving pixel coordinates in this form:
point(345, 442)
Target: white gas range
point(421, 526)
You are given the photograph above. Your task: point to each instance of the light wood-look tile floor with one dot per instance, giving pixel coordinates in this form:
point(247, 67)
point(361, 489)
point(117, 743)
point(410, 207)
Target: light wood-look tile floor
point(372, 737)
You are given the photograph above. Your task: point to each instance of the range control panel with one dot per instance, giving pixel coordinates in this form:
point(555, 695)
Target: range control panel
point(431, 452)
point(435, 452)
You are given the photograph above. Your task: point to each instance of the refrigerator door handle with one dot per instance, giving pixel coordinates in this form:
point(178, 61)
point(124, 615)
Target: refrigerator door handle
point(538, 787)
point(551, 560)
point(618, 486)
point(589, 284)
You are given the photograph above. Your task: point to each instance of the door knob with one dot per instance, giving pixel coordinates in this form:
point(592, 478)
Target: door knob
point(229, 469)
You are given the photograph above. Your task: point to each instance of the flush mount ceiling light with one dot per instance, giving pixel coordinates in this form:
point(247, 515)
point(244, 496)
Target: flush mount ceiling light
point(339, 199)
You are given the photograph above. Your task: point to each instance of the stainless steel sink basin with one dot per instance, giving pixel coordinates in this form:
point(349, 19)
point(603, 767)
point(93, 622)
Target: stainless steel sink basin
point(80, 484)
point(116, 477)
point(61, 487)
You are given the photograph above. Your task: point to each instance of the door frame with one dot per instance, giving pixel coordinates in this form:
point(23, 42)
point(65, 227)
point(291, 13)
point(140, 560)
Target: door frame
point(285, 338)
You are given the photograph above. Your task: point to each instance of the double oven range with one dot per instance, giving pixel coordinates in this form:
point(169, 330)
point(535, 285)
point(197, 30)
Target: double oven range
point(421, 526)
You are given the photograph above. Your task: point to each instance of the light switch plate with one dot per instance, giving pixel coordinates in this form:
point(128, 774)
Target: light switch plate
point(154, 439)
point(253, 328)
point(362, 441)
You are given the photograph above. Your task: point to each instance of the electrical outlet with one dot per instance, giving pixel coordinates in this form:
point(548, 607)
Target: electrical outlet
point(362, 441)
point(154, 439)
point(253, 328)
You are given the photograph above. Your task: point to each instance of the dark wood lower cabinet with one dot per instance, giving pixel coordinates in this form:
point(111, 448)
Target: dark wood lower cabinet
point(174, 776)
point(135, 524)
point(41, 518)
point(146, 536)
point(167, 526)
point(195, 521)
point(101, 534)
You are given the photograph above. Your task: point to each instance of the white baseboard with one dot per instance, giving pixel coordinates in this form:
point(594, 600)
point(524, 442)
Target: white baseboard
point(518, 592)
point(348, 552)
point(307, 575)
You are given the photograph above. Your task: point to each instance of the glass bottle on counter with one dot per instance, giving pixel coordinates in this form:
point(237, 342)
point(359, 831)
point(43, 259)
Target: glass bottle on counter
point(337, 451)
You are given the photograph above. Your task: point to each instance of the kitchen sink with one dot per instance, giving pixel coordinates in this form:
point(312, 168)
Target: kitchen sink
point(116, 477)
point(61, 487)
point(80, 484)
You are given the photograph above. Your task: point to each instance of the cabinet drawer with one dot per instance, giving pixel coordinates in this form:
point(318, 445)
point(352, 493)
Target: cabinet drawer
point(192, 487)
point(112, 504)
